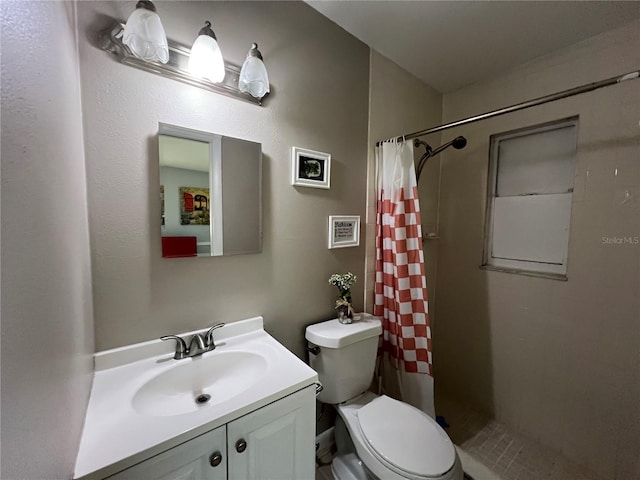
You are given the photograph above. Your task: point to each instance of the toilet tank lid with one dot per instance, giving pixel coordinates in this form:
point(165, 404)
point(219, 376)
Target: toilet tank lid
point(333, 334)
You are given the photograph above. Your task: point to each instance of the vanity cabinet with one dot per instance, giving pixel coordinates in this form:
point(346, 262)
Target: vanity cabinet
point(275, 442)
point(191, 460)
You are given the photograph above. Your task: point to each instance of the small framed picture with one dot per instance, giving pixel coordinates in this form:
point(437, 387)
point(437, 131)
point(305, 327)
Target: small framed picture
point(344, 231)
point(310, 168)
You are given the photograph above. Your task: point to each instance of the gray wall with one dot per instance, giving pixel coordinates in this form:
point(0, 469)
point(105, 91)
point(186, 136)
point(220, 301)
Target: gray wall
point(557, 360)
point(47, 331)
point(319, 75)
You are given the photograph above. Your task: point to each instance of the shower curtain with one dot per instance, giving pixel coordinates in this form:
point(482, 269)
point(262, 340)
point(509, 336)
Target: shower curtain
point(400, 285)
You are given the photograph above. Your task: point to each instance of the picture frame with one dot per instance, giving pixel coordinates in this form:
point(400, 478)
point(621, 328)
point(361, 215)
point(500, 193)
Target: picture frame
point(310, 168)
point(344, 231)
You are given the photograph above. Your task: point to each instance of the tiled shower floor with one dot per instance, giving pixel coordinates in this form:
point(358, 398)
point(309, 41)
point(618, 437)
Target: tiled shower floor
point(510, 455)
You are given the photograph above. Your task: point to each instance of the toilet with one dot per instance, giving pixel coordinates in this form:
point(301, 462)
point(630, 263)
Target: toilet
point(377, 437)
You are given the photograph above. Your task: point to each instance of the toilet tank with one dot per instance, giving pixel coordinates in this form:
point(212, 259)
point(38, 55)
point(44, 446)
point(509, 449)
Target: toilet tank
point(346, 358)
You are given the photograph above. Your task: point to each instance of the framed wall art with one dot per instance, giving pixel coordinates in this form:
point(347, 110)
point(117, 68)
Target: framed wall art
point(344, 231)
point(310, 168)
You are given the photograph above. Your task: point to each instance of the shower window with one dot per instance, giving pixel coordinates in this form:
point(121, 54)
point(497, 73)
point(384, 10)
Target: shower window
point(531, 174)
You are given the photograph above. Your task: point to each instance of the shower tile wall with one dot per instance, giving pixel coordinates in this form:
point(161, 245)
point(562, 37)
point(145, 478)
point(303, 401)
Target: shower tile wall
point(557, 361)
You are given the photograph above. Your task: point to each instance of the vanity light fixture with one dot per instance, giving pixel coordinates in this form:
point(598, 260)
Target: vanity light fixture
point(144, 34)
point(254, 79)
point(206, 58)
point(177, 67)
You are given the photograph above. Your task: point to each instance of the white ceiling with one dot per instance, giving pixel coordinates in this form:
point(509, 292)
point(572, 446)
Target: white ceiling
point(451, 44)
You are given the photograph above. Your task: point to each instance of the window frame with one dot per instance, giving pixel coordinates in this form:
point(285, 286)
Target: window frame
point(523, 267)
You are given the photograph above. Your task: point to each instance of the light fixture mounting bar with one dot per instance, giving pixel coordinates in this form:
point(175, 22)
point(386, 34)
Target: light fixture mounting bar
point(176, 67)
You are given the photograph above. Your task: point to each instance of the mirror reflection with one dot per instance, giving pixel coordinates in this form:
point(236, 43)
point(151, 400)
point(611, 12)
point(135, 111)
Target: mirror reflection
point(210, 193)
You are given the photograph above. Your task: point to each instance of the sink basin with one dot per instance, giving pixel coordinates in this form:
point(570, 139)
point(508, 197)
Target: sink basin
point(199, 382)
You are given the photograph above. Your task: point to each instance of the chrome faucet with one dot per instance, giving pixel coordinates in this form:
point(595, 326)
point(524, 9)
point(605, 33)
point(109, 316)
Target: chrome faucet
point(198, 344)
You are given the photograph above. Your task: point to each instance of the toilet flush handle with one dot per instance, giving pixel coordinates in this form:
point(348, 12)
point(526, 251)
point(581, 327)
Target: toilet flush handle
point(315, 349)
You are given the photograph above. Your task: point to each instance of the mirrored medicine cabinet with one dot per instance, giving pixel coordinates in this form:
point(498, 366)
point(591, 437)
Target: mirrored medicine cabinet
point(210, 193)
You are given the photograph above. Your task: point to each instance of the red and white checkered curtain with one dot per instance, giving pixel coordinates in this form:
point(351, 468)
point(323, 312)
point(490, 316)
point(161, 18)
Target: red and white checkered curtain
point(400, 284)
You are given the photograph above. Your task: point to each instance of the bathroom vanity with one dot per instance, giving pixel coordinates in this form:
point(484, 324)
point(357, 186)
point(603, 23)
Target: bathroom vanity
point(245, 410)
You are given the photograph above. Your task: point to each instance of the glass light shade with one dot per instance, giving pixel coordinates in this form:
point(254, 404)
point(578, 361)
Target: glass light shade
point(206, 59)
point(145, 37)
point(253, 77)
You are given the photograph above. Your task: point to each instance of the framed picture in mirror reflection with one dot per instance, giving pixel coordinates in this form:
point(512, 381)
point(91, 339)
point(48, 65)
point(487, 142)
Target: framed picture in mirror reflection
point(194, 206)
point(310, 168)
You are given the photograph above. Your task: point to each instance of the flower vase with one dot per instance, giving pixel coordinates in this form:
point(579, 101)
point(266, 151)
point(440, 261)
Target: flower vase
point(345, 313)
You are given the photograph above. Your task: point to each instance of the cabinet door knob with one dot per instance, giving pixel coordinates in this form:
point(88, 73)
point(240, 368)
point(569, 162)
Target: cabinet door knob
point(215, 459)
point(241, 445)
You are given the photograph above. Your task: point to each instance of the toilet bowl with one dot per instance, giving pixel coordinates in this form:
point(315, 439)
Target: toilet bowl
point(394, 441)
point(377, 437)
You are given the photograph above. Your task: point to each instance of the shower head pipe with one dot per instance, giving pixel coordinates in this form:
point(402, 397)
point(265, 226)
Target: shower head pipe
point(417, 142)
point(457, 143)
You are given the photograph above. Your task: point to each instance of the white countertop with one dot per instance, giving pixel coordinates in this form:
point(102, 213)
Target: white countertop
point(116, 436)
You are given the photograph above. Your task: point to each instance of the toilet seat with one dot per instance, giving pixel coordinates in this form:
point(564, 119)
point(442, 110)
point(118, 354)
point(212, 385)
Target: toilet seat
point(380, 420)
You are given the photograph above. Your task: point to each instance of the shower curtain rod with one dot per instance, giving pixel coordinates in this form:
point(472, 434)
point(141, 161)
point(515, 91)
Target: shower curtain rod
point(520, 106)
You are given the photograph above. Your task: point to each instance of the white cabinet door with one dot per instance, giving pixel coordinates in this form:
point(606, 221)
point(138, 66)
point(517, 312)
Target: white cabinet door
point(193, 460)
point(278, 440)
